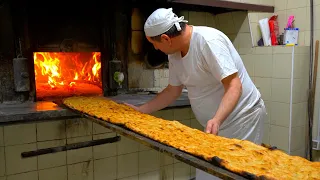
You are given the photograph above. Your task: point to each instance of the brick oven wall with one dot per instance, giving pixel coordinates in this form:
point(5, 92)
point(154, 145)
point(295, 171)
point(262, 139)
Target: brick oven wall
point(6, 55)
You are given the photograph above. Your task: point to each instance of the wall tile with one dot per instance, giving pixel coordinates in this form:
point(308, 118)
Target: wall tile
point(79, 155)
point(316, 15)
point(292, 4)
point(263, 50)
point(195, 124)
point(248, 61)
point(167, 114)
point(78, 127)
point(181, 114)
point(267, 2)
point(266, 134)
point(98, 129)
point(185, 14)
point(251, 1)
point(297, 138)
point(241, 21)
point(226, 24)
point(282, 49)
point(300, 90)
point(282, 20)
point(299, 114)
point(282, 65)
point(264, 15)
point(197, 18)
point(192, 172)
point(15, 164)
point(51, 130)
point(167, 172)
point(279, 137)
point(245, 40)
point(280, 5)
point(301, 65)
point(300, 15)
point(2, 162)
point(211, 20)
point(19, 134)
point(264, 84)
point(281, 90)
point(3, 178)
point(58, 173)
point(131, 178)
point(24, 176)
point(128, 165)
point(300, 152)
point(1, 137)
point(157, 82)
point(164, 82)
point(307, 37)
point(256, 33)
point(149, 161)
point(181, 171)
point(165, 159)
point(54, 159)
point(83, 171)
point(105, 169)
point(301, 39)
point(154, 175)
point(127, 145)
point(268, 105)
point(280, 114)
point(143, 147)
point(253, 17)
point(104, 150)
point(263, 66)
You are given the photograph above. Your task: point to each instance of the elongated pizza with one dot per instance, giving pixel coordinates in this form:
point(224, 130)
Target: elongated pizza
point(238, 156)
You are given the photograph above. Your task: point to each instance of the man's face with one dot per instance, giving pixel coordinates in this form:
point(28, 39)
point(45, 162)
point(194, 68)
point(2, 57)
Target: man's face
point(165, 45)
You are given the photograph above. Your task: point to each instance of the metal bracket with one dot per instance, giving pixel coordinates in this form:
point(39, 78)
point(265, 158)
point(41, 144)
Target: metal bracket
point(70, 147)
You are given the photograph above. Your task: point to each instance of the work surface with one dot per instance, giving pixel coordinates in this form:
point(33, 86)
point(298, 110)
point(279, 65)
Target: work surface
point(44, 111)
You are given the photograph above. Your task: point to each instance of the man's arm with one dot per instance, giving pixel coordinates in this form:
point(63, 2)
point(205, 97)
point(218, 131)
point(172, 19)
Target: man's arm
point(233, 90)
point(162, 100)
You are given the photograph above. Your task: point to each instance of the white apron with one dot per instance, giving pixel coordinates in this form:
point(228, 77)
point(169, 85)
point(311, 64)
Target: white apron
point(252, 131)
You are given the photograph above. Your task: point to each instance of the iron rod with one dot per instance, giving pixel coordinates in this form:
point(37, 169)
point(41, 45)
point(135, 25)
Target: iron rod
point(70, 147)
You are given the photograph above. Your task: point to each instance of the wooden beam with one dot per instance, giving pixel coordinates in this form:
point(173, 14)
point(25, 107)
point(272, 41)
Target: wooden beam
point(227, 4)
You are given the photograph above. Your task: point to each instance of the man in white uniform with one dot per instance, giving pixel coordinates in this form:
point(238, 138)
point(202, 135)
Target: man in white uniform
point(223, 97)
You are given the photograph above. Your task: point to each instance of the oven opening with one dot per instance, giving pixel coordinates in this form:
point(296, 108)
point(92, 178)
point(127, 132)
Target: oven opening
point(65, 74)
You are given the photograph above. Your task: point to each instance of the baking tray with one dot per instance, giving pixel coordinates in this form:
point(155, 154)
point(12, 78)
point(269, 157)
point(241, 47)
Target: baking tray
point(187, 158)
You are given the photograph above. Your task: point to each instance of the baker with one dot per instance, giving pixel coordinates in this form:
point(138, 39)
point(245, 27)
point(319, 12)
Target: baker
point(222, 95)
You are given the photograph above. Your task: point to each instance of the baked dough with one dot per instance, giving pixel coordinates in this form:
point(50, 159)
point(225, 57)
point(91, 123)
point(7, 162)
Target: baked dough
point(239, 156)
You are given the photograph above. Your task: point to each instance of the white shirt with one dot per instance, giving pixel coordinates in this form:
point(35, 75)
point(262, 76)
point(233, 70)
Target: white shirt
point(212, 57)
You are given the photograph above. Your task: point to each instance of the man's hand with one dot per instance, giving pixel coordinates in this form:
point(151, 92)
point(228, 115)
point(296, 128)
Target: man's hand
point(213, 126)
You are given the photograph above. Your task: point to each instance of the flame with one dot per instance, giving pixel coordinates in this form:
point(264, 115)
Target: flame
point(59, 69)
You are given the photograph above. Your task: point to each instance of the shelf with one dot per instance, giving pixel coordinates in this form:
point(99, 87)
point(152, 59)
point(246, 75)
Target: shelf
point(219, 6)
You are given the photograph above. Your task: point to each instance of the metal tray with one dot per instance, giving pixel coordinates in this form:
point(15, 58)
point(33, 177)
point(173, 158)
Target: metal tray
point(173, 152)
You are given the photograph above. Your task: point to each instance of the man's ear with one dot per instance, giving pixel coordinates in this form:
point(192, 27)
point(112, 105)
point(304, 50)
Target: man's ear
point(165, 38)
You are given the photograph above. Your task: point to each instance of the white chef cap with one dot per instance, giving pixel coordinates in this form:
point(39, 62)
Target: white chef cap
point(160, 21)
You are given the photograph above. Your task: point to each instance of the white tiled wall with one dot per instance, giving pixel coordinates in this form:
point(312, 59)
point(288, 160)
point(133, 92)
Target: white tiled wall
point(270, 68)
point(123, 160)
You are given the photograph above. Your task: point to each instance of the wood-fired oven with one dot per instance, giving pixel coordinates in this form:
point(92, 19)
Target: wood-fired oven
point(68, 47)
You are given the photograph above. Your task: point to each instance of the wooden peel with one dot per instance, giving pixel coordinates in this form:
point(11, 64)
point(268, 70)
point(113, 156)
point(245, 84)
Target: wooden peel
point(313, 92)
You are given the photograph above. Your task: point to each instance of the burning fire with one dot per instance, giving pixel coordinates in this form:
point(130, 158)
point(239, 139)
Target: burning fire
point(59, 69)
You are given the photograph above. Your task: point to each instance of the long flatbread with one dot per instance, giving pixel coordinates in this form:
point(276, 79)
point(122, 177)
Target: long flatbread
point(238, 156)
